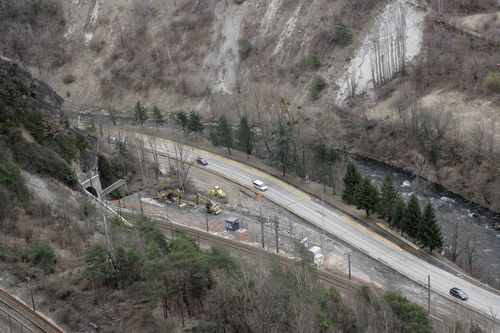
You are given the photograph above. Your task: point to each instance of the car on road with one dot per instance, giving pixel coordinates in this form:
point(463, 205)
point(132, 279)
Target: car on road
point(260, 185)
point(458, 293)
point(202, 161)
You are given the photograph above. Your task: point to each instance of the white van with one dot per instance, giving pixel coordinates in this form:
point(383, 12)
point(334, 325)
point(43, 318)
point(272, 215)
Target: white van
point(259, 185)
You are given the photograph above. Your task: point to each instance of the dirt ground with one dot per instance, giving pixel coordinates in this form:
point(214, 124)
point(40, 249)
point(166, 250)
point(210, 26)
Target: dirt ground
point(249, 208)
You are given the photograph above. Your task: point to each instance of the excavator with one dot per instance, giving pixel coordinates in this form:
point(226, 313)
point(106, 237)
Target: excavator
point(212, 207)
point(170, 194)
point(217, 192)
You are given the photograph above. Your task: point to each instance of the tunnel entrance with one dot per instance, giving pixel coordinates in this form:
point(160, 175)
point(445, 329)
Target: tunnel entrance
point(92, 191)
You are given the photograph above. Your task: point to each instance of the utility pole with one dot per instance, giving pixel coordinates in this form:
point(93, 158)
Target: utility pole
point(140, 201)
point(28, 280)
point(429, 294)
point(349, 264)
point(261, 219)
point(106, 231)
point(276, 228)
point(206, 219)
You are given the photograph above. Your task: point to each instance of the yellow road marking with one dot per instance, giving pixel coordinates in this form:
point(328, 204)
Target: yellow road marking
point(290, 188)
point(248, 169)
point(361, 227)
point(407, 242)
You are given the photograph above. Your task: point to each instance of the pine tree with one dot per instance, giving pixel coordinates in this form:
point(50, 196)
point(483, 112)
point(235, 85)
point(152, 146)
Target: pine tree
point(156, 273)
point(245, 136)
point(281, 154)
point(158, 117)
point(413, 218)
point(194, 123)
point(181, 119)
point(140, 114)
point(430, 234)
point(366, 196)
point(388, 195)
point(324, 158)
point(223, 134)
point(398, 214)
point(351, 179)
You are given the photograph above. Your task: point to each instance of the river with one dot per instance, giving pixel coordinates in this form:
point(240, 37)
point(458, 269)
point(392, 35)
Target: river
point(451, 208)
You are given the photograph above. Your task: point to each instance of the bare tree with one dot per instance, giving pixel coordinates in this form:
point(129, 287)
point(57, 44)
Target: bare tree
point(421, 168)
point(154, 153)
point(141, 157)
point(454, 241)
point(477, 138)
point(184, 160)
point(442, 122)
point(471, 247)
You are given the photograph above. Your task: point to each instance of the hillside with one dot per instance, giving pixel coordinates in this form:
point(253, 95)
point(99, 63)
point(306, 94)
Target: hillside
point(412, 84)
point(134, 279)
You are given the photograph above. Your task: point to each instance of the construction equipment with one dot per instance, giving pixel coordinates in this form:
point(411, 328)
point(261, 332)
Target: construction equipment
point(169, 195)
point(217, 192)
point(213, 207)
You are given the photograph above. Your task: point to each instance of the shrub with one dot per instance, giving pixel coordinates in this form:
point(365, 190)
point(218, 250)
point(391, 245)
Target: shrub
point(245, 47)
point(343, 33)
point(87, 206)
point(413, 317)
point(491, 83)
point(317, 86)
point(13, 181)
point(41, 255)
point(69, 79)
point(313, 61)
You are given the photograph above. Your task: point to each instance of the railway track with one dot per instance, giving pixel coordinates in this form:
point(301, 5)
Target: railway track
point(22, 317)
point(249, 250)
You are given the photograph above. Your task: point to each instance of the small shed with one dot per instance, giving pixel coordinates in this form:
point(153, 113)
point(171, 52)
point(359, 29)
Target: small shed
point(232, 223)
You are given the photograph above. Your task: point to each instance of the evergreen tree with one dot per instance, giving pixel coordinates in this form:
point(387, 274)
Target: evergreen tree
point(412, 218)
point(156, 273)
point(430, 234)
point(158, 117)
point(366, 196)
point(181, 119)
point(140, 114)
point(223, 134)
point(96, 265)
point(323, 160)
point(398, 213)
point(194, 123)
point(281, 154)
point(245, 136)
point(351, 180)
point(388, 195)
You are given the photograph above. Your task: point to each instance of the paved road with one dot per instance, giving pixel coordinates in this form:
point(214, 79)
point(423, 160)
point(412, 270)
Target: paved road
point(348, 230)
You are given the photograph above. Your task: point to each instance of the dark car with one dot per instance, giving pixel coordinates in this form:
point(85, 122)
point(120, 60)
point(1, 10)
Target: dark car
point(201, 160)
point(458, 293)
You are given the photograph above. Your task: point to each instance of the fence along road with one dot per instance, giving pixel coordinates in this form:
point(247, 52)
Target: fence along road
point(347, 229)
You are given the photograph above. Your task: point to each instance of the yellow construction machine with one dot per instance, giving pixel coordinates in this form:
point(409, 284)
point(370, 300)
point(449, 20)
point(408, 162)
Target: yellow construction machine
point(211, 206)
point(217, 192)
point(170, 194)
